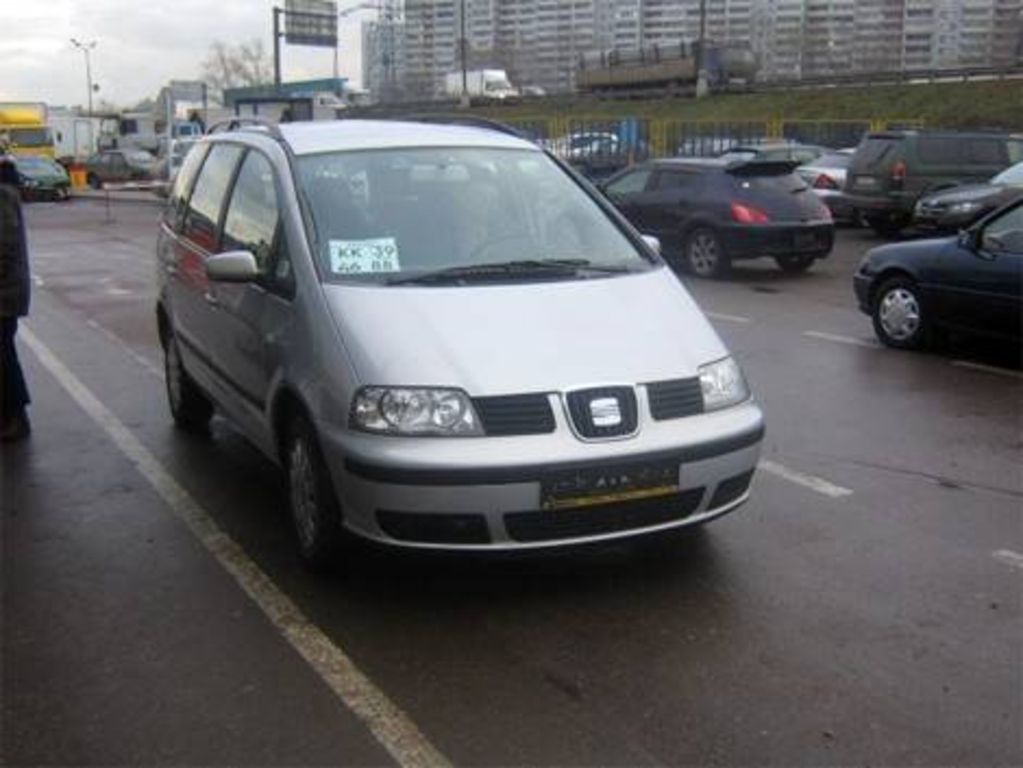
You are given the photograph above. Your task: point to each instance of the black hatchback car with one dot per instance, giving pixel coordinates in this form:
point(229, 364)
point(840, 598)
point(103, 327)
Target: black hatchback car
point(973, 282)
point(709, 213)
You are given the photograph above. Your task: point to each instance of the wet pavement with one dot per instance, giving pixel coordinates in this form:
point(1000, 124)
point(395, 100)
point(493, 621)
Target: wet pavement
point(863, 608)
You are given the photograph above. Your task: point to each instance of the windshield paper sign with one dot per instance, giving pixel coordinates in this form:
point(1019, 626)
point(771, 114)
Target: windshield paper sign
point(362, 257)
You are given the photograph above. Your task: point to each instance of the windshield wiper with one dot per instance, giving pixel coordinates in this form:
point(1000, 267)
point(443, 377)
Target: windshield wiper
point(503, 269)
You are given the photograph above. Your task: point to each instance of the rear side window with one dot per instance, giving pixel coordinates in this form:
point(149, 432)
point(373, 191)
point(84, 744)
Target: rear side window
point(252, 214)
point(203, 214)
point(677, 180)
point(183, 185)
point(940, 150)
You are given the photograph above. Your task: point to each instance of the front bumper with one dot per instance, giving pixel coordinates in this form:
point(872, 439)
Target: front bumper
point(862, 287)
point(751, 241)
point(484, 494)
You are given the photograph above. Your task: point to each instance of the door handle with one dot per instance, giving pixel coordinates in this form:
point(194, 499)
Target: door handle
point(170, 269)
point(211, 299)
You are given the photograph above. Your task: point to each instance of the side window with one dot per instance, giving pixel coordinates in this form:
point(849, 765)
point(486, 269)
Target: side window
point(203, 214)
point(987, 152)
point(178, 201)
point(253, 213)
point(630, 183)
point(1005, 234)
point(940, 150)
point(676, 180)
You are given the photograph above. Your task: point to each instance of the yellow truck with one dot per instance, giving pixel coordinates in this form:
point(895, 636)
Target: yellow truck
point(23, 129)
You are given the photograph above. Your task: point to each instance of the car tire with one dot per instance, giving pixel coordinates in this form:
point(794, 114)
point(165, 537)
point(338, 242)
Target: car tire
point(189, 407)
point(94, 181)
point(703, 254)
point(899, 316)
point(312, 503)
point(795, 263)
point(888, 225)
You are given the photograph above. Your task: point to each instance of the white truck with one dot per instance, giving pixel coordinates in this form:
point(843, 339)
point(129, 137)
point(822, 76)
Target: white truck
point(481, 84)
point(76, 137)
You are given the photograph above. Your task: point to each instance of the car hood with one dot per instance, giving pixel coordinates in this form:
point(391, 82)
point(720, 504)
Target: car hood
point(506, 339)
point(967, 193)
point(910, 252)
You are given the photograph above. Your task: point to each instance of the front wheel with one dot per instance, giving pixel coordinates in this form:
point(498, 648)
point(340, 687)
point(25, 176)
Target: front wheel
point(794, 264)
point(898, 314)
point(315, 511)
point(704, 255)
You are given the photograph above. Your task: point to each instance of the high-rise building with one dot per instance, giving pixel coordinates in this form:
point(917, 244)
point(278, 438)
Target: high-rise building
point(540, 41)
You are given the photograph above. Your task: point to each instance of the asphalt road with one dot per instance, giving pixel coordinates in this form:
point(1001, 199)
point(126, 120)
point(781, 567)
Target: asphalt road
point(864, 607)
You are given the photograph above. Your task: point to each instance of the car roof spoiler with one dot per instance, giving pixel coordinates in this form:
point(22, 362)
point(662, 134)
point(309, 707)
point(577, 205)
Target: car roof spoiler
point(762, 167)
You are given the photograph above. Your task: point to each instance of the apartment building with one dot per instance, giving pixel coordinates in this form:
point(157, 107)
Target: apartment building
point(539, 41)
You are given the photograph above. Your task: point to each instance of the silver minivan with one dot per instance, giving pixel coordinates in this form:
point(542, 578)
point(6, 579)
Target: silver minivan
point(446, 338)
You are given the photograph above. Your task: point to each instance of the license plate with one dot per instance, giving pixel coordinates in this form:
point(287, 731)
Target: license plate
point(589, 487)
point(865, 182)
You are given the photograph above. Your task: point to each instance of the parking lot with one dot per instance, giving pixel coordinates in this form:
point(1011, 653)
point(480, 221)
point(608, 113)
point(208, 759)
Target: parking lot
point(863, 608)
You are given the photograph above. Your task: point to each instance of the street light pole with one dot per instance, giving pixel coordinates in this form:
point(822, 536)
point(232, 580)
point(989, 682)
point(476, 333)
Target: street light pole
point(86, 48)
point(462, 55)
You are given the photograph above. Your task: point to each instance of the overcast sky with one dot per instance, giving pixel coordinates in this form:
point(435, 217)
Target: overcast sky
point(141, 44)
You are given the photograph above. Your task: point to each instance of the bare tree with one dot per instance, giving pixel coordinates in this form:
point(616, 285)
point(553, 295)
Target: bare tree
point(234, 66)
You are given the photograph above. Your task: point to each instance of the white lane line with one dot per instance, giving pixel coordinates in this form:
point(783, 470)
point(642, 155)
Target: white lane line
point(1007, 556)
point(38, 281)
point(818, 484)
point(988, 369)
point(728, 318)
point(140, 359)
point(390, 725)
point(842, 339)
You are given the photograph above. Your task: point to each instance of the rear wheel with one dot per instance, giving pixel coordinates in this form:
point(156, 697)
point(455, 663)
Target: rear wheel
point(794, 263)
point(190, 408)
point(315, 511)
point(704, 255)
point(898, 314)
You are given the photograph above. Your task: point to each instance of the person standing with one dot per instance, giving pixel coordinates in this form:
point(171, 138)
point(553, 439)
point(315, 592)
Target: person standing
point(14, 300)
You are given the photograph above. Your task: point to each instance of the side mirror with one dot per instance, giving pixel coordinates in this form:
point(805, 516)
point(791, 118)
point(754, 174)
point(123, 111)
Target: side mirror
point(653, 243)
point(969, 239)
point(232, 267)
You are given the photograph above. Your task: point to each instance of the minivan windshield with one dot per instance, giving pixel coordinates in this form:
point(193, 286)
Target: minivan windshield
point(1011, 176)
point(392, 216)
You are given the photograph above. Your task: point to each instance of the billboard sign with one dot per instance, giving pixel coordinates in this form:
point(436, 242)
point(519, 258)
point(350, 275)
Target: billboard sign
point(310, 22)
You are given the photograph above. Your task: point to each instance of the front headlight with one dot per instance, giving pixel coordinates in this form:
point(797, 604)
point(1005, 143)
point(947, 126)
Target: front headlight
point(414, 411)
point(965, 207)
point(723, 384)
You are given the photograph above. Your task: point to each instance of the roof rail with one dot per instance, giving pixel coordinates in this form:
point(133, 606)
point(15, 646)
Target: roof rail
point(238, 123)
point(468, 121)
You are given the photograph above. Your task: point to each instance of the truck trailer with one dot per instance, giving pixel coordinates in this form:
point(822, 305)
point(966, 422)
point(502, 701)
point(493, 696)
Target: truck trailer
point(24, 129)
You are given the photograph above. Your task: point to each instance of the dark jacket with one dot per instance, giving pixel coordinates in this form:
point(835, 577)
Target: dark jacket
point(14, 275)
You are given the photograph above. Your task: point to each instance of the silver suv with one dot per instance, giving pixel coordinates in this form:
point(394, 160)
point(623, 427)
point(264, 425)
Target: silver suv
point(446, 338)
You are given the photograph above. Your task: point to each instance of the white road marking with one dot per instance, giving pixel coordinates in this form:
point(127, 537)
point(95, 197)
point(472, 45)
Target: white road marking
point(818, 484)
point(1007, 556)
point(140, 359)
point(39, 282)
point(988, 369)
point(729, 318)
point(390, 725)
point(842, 339)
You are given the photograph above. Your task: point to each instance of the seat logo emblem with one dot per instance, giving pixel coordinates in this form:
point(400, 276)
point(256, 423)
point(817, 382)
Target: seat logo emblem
point(605, 412)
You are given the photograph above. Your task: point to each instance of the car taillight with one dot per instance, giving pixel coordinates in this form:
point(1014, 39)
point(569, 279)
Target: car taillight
point(747, 214)
point(898, 173)
point(823, 181)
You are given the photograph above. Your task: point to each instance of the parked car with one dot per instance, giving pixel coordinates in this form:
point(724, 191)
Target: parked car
point(891, 171)
point(709, 213)
point(972, 282)
point(119, 165)
point(166, 167)
point(826, 176)
point(41, 178)
point(773, 151)
point(958, 207)
point(445, 339)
